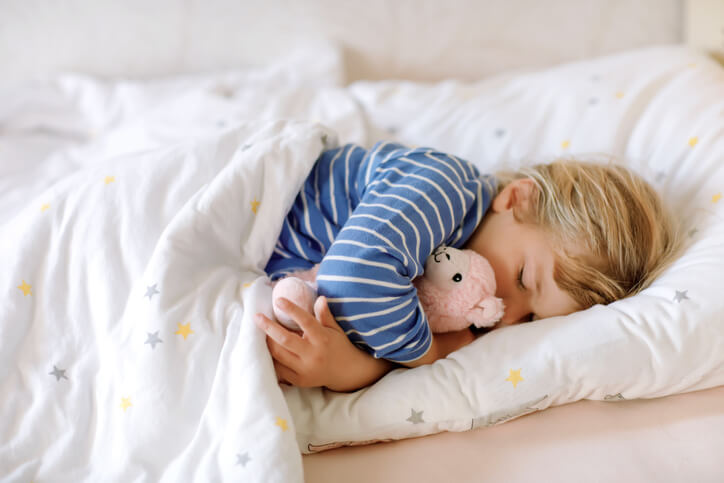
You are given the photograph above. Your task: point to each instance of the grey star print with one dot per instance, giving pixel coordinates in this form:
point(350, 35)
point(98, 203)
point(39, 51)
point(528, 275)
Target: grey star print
point(153, 339)
point(242, 459)
point(151, 291)
point(680, 295)
point(58, 373)
point(415, 417)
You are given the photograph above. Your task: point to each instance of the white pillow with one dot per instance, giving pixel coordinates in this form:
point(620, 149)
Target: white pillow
point(659, 111)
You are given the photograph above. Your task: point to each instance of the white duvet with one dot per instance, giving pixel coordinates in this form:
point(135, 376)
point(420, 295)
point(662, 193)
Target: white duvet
point(135, 222)
point(128, 352)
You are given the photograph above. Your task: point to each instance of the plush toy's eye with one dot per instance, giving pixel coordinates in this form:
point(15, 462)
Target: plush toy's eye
point(457, 277)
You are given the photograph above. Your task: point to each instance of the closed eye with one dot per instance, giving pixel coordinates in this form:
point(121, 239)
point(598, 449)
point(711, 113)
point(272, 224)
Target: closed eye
point(530, 317)
point(520, 279)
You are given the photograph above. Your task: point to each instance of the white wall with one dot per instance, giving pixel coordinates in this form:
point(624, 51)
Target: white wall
point(416, 39)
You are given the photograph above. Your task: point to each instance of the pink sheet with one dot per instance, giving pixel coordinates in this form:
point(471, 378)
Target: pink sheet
point(673, 439)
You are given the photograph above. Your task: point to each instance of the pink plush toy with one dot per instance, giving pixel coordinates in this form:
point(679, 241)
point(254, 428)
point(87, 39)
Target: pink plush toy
point(457, 290)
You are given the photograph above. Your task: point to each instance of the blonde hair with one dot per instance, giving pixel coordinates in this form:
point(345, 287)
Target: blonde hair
point(627, 234)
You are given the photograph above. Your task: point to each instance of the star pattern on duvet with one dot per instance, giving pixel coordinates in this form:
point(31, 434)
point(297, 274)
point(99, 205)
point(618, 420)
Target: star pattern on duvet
point(109, 179)
point(184, 329)
point(282, 423)
point(125, 403)
point(153, 339)
point(151, 291)
point(716, 198)
point(255, 205)
point(26, 288)
point(44, 206)
point(243, 458)
point(58, 373)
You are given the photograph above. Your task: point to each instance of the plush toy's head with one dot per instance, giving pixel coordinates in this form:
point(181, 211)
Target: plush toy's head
point(457, 290)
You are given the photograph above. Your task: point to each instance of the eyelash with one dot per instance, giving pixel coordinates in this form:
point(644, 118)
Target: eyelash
point(520, 279)
point(532, 317)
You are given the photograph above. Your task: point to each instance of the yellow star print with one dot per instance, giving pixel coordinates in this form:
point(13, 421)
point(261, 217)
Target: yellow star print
point(110, 179)
point(184, 330)
point(255, 205)
point(44, 206)
point(282, 423)
point(125, 403)
point(565, 144)
point(693, 141)
point(716, 198)
point(26, 288)
point(619, 95)
point(514, 377)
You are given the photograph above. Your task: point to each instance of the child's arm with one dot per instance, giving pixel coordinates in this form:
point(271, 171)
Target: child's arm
point(324, 356)
point(411, 202)
point(442, 345)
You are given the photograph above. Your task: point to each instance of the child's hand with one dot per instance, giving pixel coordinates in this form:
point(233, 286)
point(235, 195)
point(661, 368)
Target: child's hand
point(321, 355)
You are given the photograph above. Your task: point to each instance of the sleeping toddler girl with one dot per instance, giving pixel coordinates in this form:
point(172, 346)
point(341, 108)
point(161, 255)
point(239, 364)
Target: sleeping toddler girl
point(560, 237)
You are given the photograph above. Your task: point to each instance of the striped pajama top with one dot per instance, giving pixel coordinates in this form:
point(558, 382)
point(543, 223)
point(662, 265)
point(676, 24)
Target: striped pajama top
point(371, 219)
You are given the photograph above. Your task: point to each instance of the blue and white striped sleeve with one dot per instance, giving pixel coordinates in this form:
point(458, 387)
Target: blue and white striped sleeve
point(410, 202)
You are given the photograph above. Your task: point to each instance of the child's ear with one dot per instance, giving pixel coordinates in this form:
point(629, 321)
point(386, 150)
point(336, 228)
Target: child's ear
point(518, 194)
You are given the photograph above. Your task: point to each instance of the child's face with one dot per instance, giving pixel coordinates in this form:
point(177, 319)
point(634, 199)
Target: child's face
point(522, 256)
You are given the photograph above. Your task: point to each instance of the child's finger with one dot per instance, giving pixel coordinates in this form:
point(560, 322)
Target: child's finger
point(282, 354)
point(323, 314)
point(286, 375)
point(304, 319)
point(286, 338)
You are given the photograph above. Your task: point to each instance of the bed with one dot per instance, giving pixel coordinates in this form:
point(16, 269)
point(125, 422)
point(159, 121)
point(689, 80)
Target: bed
point(149, 154)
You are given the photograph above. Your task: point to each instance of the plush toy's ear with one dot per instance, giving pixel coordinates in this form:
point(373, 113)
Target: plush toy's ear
point(486, 313)
point(476, 316)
